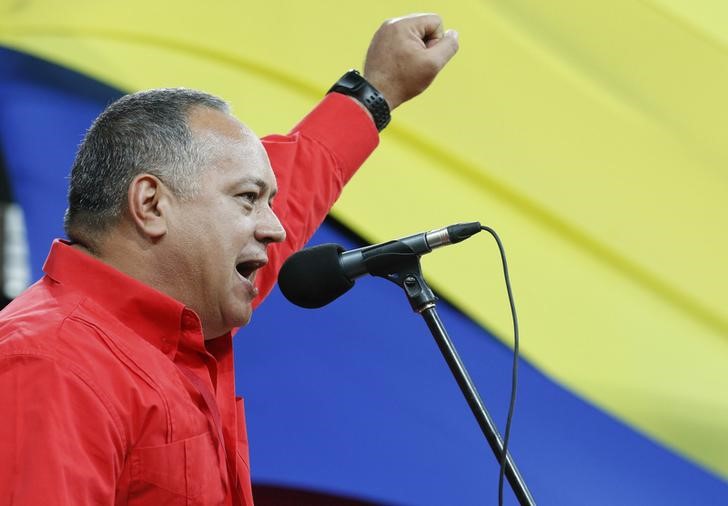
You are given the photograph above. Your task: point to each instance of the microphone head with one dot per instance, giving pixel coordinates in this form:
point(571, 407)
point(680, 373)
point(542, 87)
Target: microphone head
point(313, 277)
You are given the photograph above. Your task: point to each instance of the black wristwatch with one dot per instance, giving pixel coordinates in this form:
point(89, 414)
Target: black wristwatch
point(353, 84)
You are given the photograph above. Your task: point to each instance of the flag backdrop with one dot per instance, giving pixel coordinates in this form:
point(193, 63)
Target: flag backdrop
point(591, 135)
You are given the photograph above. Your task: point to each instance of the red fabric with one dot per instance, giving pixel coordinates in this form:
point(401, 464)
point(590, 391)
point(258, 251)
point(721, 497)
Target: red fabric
point(310, 178)
point(108, 392)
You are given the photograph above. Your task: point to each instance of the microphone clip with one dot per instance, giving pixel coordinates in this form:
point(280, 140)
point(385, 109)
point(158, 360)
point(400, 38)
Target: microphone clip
point(408, 275)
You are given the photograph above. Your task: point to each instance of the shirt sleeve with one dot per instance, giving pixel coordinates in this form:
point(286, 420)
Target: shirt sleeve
point(312, 164)
point(58, 441)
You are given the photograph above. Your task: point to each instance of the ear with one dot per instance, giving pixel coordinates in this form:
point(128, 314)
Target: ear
point(148, 204)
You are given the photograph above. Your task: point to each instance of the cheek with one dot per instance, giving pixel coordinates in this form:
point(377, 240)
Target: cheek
point(216, 225)
point(196, 225)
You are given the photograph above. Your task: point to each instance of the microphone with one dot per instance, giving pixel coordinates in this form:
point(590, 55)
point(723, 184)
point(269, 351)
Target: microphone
point(315, 276)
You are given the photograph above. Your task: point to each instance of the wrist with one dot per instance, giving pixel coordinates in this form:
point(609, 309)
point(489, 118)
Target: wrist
point(382, 84)
point(359, 89)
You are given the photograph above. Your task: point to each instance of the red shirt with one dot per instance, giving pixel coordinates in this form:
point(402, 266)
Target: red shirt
point(109, 393)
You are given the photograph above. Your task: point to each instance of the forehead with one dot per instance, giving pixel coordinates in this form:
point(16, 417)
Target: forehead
point(229, 146)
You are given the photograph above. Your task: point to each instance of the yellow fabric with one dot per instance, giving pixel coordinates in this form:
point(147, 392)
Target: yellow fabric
point(590, 134)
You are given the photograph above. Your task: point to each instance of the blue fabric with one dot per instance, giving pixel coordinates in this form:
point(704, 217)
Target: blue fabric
point(355, 398)
point(44, 112)
point(358, 397)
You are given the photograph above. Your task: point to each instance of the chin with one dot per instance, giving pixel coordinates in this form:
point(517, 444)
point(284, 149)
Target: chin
point(245, 320)
point(242, 318)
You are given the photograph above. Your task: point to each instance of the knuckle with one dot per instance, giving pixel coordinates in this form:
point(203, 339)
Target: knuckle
point(435, 17)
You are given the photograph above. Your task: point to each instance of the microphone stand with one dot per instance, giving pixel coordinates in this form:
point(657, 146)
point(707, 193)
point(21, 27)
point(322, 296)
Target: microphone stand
point(407, 274)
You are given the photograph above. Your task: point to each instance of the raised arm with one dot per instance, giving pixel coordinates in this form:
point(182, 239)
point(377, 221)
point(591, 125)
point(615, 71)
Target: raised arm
point(320, 155)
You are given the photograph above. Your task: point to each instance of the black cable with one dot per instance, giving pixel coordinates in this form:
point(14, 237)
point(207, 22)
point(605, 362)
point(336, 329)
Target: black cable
point(514, 377)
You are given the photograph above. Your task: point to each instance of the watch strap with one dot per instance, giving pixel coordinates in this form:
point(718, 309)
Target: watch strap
point(354, 85)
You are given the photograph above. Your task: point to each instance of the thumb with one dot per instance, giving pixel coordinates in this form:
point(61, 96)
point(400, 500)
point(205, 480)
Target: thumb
point(445, 47)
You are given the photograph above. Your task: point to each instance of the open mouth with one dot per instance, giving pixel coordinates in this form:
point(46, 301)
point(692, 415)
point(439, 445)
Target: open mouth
point(249, 268)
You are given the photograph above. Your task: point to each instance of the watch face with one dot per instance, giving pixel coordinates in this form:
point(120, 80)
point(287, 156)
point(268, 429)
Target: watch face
point(350, 80)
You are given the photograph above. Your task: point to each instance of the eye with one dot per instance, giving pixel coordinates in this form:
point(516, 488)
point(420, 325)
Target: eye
point(249, 197)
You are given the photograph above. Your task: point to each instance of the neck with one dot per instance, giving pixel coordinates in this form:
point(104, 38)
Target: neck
point(148, 262)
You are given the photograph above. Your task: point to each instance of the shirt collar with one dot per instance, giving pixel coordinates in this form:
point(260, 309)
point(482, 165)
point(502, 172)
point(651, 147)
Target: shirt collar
point(155, 316)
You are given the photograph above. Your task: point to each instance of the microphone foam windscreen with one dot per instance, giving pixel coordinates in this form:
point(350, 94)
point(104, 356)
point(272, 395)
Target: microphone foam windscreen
point(313, 277)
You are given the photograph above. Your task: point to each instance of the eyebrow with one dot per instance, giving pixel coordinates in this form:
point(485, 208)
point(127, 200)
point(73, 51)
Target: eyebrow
point(260, 184)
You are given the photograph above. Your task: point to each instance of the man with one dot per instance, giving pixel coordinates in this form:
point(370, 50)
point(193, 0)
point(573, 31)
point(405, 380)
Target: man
point(116, 373)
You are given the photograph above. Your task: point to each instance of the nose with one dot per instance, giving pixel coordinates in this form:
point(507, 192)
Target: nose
point(269, 228)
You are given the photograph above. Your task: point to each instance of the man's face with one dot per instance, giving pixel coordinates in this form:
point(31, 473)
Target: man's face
point(218, 238)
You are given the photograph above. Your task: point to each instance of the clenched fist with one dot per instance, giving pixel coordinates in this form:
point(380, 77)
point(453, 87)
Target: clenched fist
point(406, 54)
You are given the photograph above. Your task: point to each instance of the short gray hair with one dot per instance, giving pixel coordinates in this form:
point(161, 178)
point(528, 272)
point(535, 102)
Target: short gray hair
point(145, 132)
